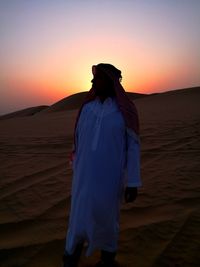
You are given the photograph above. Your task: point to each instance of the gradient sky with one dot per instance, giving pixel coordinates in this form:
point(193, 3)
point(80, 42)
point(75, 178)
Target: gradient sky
point(48, 47)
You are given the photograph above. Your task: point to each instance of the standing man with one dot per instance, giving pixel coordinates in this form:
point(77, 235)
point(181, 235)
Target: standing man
point(106, 167)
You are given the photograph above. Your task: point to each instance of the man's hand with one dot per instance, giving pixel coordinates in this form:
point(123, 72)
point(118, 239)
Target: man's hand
point(71, 158)
point(130, 194)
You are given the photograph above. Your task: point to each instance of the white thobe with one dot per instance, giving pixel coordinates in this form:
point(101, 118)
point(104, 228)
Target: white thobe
point(107, 159)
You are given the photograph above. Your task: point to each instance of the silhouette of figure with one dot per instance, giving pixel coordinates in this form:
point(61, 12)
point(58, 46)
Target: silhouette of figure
point(105, 159)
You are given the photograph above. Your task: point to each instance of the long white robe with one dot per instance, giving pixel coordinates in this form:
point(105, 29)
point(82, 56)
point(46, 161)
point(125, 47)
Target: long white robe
point(106, 160)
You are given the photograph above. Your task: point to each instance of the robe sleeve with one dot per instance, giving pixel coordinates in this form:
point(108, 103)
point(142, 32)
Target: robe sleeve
point(133, 176)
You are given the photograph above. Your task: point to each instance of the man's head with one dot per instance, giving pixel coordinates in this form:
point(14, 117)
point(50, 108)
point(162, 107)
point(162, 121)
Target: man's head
point(101, 82)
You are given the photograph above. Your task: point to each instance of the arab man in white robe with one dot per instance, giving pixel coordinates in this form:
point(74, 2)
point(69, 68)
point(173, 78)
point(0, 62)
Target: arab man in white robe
point(106, 167)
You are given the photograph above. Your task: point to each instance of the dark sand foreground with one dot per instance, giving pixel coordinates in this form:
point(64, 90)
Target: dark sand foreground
point(160, 229)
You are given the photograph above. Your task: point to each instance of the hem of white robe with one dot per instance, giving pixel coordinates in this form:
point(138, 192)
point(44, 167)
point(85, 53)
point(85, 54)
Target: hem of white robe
point(89, 251)
point(71, 243)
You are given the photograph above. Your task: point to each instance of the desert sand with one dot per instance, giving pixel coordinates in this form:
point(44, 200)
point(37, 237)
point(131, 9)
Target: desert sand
point(161, 228)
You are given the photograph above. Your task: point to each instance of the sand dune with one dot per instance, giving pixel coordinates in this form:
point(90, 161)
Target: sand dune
point(74, 101)
point(68, 103)
point(24, 112)
point(161, 228)
point(172, 105)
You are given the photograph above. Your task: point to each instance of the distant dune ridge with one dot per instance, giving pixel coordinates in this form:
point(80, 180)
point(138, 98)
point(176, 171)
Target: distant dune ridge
point(161, 228)
point(68, 103)
point(176, 104)
point(23, 112)
point(74, 101)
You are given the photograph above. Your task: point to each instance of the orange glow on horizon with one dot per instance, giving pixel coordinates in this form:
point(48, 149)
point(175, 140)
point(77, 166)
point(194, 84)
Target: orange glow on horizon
point(48, 49)
point(53, 78)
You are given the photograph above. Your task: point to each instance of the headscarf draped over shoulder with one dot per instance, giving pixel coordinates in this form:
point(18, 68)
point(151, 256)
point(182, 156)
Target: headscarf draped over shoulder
point(126, 106)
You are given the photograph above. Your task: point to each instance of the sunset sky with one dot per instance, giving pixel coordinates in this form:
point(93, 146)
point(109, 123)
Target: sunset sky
point(48, 47)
